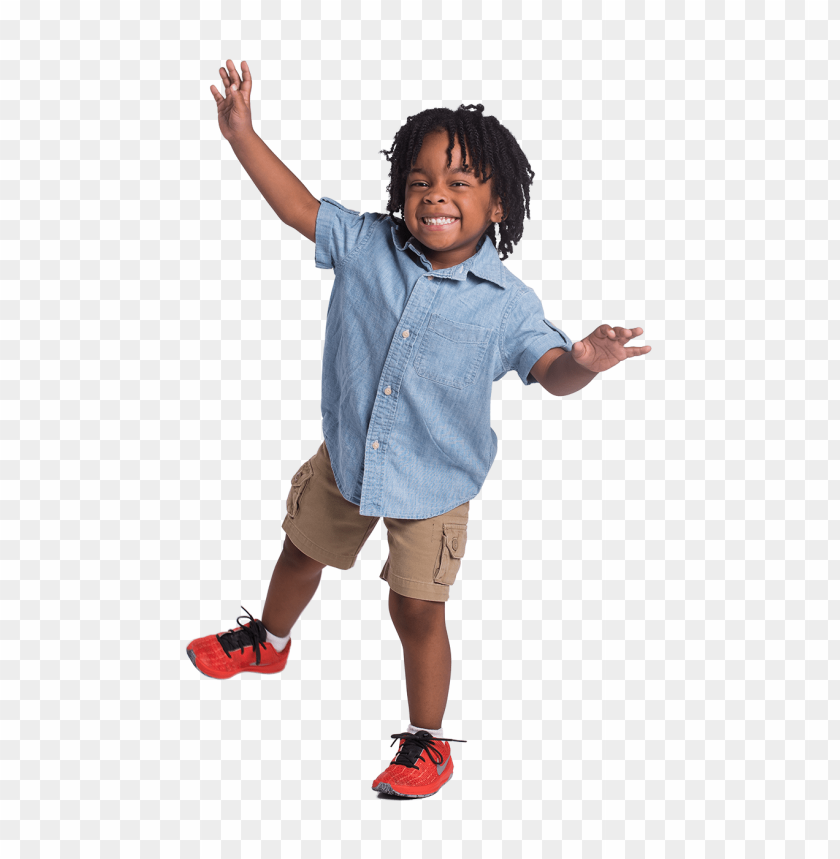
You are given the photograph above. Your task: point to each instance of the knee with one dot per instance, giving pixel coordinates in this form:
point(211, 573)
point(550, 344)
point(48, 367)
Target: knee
point(409, 613)
point(298, 559)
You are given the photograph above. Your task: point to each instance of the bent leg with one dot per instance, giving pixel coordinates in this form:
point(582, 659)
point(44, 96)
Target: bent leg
point(293, 584)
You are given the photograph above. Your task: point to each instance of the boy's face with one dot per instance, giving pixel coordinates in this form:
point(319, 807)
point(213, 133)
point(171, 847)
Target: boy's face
point(433, 190)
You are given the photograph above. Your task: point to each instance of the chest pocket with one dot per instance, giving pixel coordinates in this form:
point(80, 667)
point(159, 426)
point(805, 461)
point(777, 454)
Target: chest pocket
point(451, 352)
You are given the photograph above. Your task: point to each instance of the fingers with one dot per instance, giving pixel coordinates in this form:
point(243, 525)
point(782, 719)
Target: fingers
point(233, 82)
point(234, 74)
point(220, 99)
point(626, 333)
point(230, 77)
point(618, 334)
point(247, 81)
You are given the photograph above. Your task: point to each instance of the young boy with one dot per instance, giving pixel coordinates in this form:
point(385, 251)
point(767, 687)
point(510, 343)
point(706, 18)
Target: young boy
point(422, 319)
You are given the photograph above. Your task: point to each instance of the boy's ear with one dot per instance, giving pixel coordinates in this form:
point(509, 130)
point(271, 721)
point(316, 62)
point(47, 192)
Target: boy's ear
point(502, 208)
point(498, 210)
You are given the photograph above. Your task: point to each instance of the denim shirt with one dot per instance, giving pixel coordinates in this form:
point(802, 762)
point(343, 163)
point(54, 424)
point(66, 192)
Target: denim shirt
point(410, 357)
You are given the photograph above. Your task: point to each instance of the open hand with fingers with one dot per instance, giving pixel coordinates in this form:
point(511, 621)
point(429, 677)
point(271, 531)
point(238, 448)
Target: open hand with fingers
point(605, 347)
point(235, 106)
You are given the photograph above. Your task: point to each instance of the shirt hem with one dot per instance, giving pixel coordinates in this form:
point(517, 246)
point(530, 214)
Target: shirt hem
point(429, 516)
point(390, 515)
point(323, 231)
point(336, 477)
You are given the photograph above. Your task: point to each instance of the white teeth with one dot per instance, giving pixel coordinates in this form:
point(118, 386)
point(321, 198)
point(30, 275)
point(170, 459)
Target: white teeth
point(440, 220)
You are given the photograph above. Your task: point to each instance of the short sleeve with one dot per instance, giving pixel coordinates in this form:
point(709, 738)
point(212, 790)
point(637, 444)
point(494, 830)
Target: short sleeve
point(338, 232)
point(528, 335)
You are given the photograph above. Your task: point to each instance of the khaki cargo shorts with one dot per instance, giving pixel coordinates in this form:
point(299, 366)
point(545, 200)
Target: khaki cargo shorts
point(425, 554)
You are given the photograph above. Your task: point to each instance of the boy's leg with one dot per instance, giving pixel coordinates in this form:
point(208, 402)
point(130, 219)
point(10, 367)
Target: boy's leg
point(421, 626)
point(321, 522)
point(293, 584)
point(424, 559)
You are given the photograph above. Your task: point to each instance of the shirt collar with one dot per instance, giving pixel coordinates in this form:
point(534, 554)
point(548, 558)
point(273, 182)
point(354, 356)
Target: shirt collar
point(485, 264)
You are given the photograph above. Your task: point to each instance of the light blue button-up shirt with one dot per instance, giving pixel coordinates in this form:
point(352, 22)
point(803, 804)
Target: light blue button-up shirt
point(410, 356)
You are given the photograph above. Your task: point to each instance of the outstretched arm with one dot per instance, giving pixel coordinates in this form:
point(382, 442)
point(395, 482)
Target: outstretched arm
point(602, 349)
point(283, 191)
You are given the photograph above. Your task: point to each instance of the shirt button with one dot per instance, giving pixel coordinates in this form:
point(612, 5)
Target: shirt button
point(429, 277)
point(375, 445)
point(388, 390)
point(455, 544)
point(405, 333)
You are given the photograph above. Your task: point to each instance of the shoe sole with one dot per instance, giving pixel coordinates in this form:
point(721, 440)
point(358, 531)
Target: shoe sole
point(384, 787)
point(254, 670)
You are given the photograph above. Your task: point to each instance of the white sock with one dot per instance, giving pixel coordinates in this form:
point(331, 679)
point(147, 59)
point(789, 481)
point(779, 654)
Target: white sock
point(278, 643)
point(436, 734)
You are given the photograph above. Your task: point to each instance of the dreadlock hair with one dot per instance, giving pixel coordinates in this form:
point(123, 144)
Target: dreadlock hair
point(490, 144)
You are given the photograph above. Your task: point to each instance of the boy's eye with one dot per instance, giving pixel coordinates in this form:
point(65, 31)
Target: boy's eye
point(423, 183)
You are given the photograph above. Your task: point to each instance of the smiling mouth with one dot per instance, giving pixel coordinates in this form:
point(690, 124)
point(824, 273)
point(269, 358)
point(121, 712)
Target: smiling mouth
point(439, 226)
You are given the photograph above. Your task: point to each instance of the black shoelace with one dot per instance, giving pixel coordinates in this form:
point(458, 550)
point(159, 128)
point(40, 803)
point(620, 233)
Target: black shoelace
point(415, 745)
point(252, 635)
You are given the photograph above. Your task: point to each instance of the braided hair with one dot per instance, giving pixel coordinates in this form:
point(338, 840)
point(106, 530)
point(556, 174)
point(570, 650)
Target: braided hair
point(491, 145)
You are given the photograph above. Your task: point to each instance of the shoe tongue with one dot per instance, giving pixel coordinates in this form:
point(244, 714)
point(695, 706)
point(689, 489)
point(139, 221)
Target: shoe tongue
point(257, 626)
point(239, 635)
point(408, 753)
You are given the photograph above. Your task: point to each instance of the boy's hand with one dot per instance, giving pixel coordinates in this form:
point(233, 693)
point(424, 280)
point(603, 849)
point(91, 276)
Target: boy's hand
point(235, 107)
point(604, 348)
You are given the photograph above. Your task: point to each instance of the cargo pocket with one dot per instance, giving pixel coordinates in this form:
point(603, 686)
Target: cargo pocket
point(299, 483)
point(453, 544)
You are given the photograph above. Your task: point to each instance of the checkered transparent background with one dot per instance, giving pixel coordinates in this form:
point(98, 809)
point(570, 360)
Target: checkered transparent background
point(643, 630)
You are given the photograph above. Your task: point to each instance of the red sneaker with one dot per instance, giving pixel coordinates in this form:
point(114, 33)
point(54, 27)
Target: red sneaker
point(216, 655)
point(412, 774)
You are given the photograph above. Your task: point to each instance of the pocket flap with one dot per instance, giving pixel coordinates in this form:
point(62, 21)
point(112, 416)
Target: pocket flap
point(455, 535)
point(459, 332)
point(303, 474)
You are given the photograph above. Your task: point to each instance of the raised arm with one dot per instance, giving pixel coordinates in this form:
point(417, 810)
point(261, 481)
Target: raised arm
point(283, 191)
